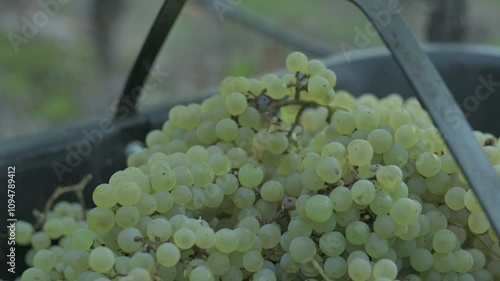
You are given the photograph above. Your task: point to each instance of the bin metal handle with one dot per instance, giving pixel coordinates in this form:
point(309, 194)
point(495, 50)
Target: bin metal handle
point(127, 105)
point(436, 97)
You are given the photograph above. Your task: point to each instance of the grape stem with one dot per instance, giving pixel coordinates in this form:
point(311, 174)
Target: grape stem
point(303, 106)
point(75, 188)
point(297, 119)
point(320, 270)
point(271, 252)
point(475, 237)
point(286, 206)
point(331, 186)
point(298, 85)
point(151, 247)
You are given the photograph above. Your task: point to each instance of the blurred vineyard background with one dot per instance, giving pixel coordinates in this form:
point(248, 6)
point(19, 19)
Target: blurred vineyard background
point(75, 66)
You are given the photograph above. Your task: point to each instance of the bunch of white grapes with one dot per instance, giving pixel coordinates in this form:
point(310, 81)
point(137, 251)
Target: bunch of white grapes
point(281, 178)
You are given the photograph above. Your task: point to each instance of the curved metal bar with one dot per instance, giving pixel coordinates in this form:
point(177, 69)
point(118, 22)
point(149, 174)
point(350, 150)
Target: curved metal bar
point(276, 31)
point(436, 97)
point(140, 71)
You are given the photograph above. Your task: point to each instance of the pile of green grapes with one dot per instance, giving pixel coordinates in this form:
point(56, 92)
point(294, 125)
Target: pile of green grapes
point(281, 178)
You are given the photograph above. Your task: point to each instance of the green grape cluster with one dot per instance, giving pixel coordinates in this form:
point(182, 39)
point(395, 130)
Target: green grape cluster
point(281, 178)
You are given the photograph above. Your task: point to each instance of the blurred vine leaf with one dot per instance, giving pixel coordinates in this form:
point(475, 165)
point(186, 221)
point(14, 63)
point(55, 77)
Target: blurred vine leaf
point(39, 79)
point(242, 67)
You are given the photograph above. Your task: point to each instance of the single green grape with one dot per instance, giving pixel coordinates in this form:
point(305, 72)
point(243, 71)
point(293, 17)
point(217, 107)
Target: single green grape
point(359, 152)
point(428, 164)
point(272, 191)
point(296, 62)
point(101, 259)
point(363, 192)
point(270, 235)
point(252, 261)
point(367, 119)
point(168, 254)
point(359, 269)
point(159, 230)
point(302, 249)
point(381, 140)
point(236, 103)
point(329, 169)
point(250, 175)
point(45, 260)
point(184, 238)
point(226, 129)
point(319, 208)
point(34, 274)
point(226, 240)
